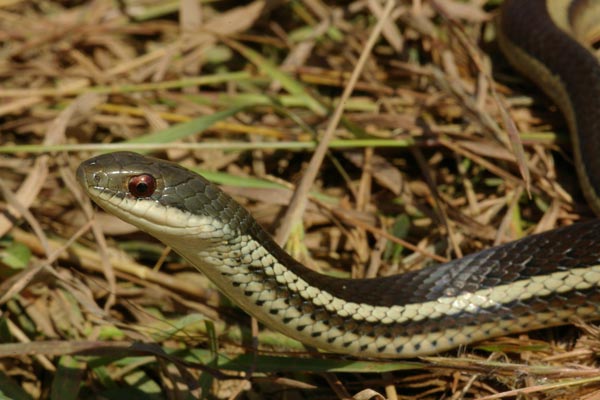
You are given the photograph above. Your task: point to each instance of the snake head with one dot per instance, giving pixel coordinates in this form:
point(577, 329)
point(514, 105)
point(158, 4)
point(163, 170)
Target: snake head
point(160, 198)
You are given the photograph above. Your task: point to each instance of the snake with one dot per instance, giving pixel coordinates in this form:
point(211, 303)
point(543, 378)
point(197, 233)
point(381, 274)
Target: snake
point(541, 280)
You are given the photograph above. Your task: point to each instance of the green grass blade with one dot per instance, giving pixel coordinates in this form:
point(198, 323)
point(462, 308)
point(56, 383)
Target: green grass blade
point(293, 86)
point(186, 129)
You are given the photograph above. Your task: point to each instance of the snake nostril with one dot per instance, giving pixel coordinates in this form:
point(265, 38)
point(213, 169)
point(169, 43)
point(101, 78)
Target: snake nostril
point(97, 177)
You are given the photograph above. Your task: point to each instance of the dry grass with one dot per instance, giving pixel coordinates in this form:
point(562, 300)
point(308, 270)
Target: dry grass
point(418, 154)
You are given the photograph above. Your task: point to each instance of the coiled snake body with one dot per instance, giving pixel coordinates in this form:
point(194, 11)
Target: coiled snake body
point(542, 280)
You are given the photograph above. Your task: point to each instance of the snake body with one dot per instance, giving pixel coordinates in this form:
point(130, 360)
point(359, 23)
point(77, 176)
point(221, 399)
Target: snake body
point(539, 281)
point(546, 40)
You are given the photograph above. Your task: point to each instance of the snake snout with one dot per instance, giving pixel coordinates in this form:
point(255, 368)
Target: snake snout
point(90, 174)
point(80, 175)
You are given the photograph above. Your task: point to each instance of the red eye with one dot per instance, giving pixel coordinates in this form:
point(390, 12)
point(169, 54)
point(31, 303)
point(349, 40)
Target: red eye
point(142, 185)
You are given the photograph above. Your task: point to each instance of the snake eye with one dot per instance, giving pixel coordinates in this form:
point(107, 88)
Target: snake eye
point(142, 185)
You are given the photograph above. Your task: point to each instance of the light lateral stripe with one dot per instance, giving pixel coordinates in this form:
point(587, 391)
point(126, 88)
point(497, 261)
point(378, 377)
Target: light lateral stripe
point(273, 309)
point(562, 281)
point(541, 285)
